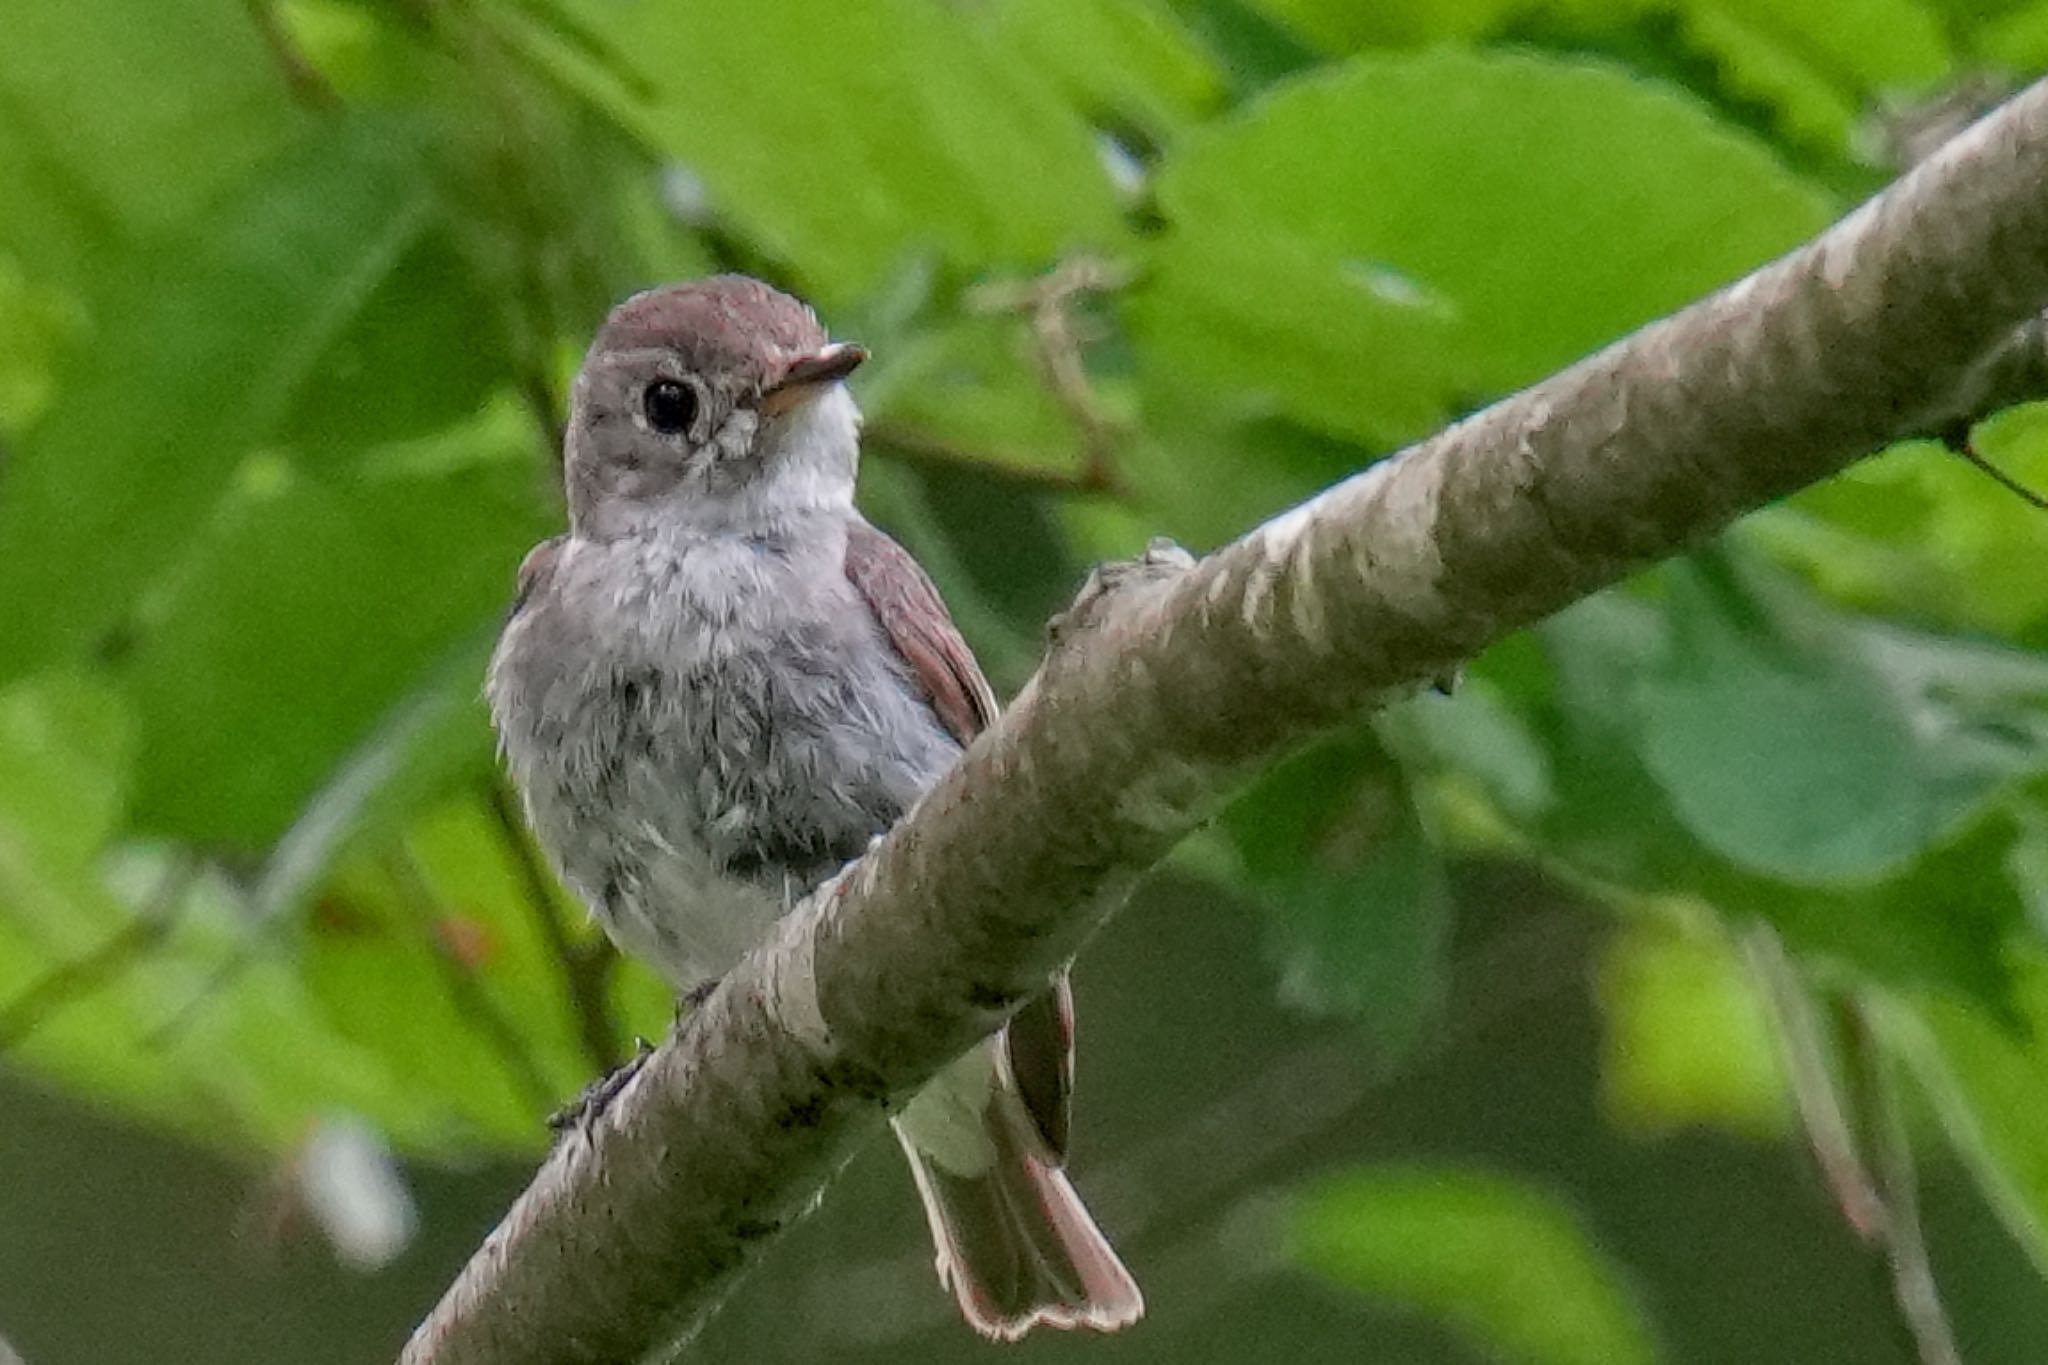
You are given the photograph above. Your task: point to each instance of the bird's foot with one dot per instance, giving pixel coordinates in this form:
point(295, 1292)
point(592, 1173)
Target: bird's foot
point(598, 1095)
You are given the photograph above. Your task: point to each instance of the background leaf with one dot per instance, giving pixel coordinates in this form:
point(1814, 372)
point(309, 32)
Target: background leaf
point(1786, 753)
point(249, 302)
point(1360, 908)
point(1504, 1264)
point(1334, 192)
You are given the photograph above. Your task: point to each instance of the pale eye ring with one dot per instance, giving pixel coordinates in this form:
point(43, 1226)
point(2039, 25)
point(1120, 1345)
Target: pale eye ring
point(671, 406)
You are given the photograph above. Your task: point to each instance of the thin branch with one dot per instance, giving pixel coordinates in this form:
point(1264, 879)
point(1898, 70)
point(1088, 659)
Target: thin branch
point(70, 982)
point(258, 940)
point(919, 448)
point(465, 992)
point(1905, 1244)
point(2006, 481)
point(586, 966)
point(1059, 341)
point(1879, 1200)
point(1170, 682)
point(2014, 371)
point(1816, 1092)
point(308, 85)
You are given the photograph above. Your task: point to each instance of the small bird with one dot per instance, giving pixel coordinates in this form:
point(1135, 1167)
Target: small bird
point(722, 683)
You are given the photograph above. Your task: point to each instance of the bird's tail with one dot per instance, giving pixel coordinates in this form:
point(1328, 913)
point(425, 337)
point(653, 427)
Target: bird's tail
point(1014, 1242)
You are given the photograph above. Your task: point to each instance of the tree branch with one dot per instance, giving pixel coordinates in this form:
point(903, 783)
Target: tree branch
point(1058, 340)
point(1168, 685)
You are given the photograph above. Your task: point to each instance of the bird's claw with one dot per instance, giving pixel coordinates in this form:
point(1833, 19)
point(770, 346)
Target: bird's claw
point(694, 997)
point(599, 1094)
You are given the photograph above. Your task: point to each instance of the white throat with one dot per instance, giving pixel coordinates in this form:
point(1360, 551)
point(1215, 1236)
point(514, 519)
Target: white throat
point(808, 458)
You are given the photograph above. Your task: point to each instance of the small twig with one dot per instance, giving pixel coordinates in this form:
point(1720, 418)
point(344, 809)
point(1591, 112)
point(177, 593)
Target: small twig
point(465, 992)
point(70, 982)
point(223, 975)
point(1880, 1200)
point(918, 448)
point(546, 414)
point(1913, 1285)
point(586, 966)
point(1059, 340)
point(2025, 494)
point(305, 81)
point(2013, 371)
point(1814, 1089)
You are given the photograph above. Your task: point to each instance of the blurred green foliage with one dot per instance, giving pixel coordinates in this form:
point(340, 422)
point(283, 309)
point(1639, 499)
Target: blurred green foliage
point(289, 294)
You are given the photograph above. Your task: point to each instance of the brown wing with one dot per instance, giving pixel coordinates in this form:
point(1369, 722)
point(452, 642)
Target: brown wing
point(535, 570)
point(908, 609)
point(1039, 1041)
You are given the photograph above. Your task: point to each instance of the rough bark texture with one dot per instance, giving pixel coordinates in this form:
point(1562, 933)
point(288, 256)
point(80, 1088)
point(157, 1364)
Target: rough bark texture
point(1169, 683)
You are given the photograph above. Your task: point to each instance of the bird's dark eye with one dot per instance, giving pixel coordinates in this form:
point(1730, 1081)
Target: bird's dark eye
point(671, 406)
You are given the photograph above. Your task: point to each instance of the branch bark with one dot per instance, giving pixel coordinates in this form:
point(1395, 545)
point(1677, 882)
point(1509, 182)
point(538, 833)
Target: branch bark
point(1169, 683)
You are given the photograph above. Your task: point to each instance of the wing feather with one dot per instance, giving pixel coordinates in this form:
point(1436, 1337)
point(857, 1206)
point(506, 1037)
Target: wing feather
point(1038, 1044)
point(915, 622)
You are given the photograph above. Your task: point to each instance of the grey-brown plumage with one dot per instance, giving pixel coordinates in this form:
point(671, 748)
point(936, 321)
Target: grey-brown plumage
point(722, 683)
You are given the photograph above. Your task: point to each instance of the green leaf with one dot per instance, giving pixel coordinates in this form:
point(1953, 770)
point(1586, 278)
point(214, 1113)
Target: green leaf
point(1373, 216)
point(1942, 923)
point(1333, 846)
point(973, 385)
point(123, 119)
point(2017, 40)
point(1474, 736)
point(429, 741)
point(65, 745)
point(478, 1066)
point(1786, 752)
point(303, 616)
point(1947, 924)
point(66, 741)
point(219, 1008)
point(1504, 1264)
point(1131, 60)
point(137, 446)
point(1344, 26)
point(77, 1025)
point(843, 138)
point(1989, 1084)
point(1755, 64)
point(36, 326)
point(78, 986)
point(423, 350)
point(1917, 532)
point(1686, 1039)
point(1261, 324)
point(1611, 820)
point(1866, 45)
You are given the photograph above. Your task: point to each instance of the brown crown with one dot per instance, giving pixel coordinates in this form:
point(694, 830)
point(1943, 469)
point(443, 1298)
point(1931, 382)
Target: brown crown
point(722, 324)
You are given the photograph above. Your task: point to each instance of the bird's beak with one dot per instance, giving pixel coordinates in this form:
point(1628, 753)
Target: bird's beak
point(808, 375)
